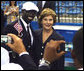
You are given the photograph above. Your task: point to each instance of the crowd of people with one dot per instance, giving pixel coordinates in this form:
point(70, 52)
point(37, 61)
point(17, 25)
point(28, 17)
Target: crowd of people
point(42, 49)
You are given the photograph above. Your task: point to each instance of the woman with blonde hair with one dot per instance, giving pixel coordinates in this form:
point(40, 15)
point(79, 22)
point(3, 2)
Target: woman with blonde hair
point(46, 20)
point(46, 12)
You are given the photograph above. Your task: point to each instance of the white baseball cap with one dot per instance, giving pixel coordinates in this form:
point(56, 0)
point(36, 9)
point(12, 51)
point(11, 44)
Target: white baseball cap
point(30, 6)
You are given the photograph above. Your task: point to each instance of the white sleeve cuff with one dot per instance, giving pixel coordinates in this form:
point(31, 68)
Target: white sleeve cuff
point(23, 53)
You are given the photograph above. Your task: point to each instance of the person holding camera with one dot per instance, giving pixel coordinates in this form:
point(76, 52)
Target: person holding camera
point(25, 59)
point(77, 52)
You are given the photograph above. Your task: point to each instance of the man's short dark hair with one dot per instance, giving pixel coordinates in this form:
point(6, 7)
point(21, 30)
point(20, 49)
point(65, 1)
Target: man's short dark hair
point(78, 45)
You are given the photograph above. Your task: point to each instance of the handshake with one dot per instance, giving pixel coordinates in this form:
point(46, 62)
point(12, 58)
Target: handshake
point(50, 51)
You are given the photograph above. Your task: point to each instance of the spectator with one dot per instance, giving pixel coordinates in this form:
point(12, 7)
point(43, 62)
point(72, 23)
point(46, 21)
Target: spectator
point(50, 4)
point(46, 4)
point(12, 11)
point(77, 53)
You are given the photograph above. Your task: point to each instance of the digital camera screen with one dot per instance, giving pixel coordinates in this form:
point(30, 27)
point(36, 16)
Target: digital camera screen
point(68, 46)
point(5, 40)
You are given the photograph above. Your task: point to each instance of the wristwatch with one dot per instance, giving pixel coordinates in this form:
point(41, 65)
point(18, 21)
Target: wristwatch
point(43, 62)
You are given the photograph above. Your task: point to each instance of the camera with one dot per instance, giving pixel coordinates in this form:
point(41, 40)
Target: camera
point(68, 46)
point(6, 39)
